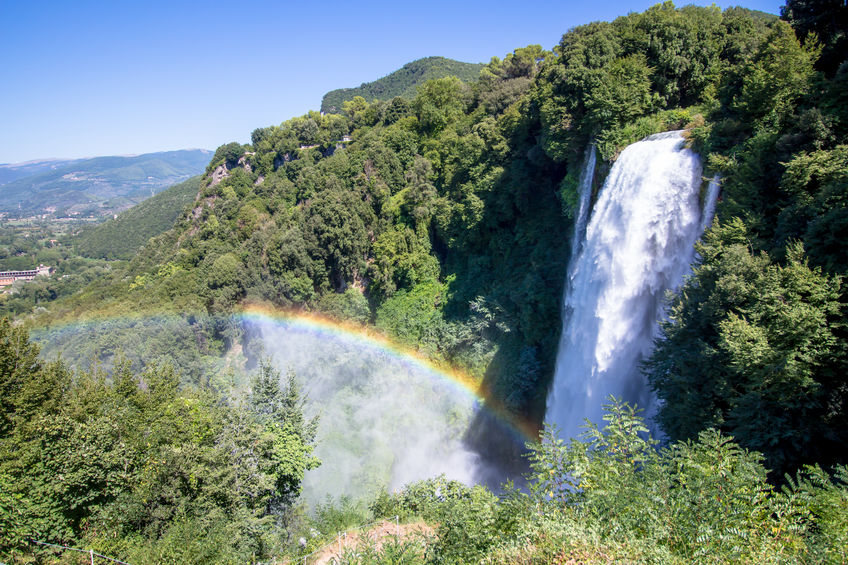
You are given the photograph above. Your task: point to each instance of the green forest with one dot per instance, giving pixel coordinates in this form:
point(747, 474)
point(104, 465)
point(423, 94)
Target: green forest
point(442, 221)
point(403, 82)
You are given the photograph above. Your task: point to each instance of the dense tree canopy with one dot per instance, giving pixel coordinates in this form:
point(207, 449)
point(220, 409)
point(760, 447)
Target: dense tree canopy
point(469, 186)
point(443, 220)
point(128, 461)
point(756, 349)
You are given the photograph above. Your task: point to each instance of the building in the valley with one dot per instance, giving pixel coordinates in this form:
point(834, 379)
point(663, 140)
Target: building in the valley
point(7, 278)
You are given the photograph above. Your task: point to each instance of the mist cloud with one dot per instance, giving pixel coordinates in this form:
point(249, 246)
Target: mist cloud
point(383, 420)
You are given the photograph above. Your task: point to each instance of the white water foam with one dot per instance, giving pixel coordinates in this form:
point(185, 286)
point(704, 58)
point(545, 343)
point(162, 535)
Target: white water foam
point(638, 244)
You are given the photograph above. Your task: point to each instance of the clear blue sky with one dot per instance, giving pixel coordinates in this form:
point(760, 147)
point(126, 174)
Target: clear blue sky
point(85, 78)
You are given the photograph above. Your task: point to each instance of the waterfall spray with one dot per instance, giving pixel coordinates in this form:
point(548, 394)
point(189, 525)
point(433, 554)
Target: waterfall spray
point(384, 420)
point(638, 244)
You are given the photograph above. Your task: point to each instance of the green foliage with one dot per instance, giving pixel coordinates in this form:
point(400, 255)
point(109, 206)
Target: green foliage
point(414, 314)
point(704, 500)
point(825, 21)
point(333, 517)
point(611, 141)
point(227, 154)
point(423, 499)
point(348, 305)
point(135, 464)
point(189, 540)
point(391, 551)
point(778, 76)
point(523, 62)
point(439, 102)
point(337, 236)
point(757, 350)
point(682, 46)
point(608, 75)
point(402, 259)
point(403, 82)
point(614, 497)
point(470, 518)
point(621, 93)
point(467, 527)
point(816, 183)
point(826, 501)
point(18, 357)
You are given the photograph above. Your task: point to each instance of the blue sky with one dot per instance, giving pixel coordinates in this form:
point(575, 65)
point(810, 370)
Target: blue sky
point(104, 78)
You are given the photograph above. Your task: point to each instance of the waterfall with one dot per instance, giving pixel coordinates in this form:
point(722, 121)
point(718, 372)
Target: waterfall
point(638, 244)
point(585, 194)
point(710, 203)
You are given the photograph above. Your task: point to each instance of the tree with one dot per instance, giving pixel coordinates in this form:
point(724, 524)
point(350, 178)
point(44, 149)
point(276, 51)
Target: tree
point(18, 360)
point(359, 111)
point(336, 234)
point(619, 93)
point(757, 350)
point(418, 196)
point(822, 20)
point(229, 154)
point(815, 186)
point(439, 102)
point(398, 108)
point(776, 79)
point(225, 280)
point(307, 130)
point(704, 499)
point(681, 46)
point(135, 459)
point(275, 440)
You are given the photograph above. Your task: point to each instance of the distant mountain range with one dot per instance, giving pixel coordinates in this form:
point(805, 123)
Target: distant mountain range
point(93, 187)
point(15, 171)
point(402, 82)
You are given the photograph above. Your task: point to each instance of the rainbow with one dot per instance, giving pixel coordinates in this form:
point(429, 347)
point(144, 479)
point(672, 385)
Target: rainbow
point(324, 327)
point(366, 336)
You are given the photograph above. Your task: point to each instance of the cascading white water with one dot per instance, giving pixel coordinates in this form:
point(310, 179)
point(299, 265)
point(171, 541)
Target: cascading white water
point(585, 194)
point(710, 203)
point(638, 244)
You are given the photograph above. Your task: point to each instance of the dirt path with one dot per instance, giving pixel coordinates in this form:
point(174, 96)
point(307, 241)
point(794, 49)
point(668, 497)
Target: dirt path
point(377, 534)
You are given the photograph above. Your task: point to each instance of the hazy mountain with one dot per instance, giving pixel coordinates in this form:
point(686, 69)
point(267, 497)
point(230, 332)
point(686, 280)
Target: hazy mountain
point(13, 171)
point(97, 186)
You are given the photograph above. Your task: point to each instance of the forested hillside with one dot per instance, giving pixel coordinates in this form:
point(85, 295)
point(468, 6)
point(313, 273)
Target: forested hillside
point(121, 237)
point(403, 82)
point(444, 223)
